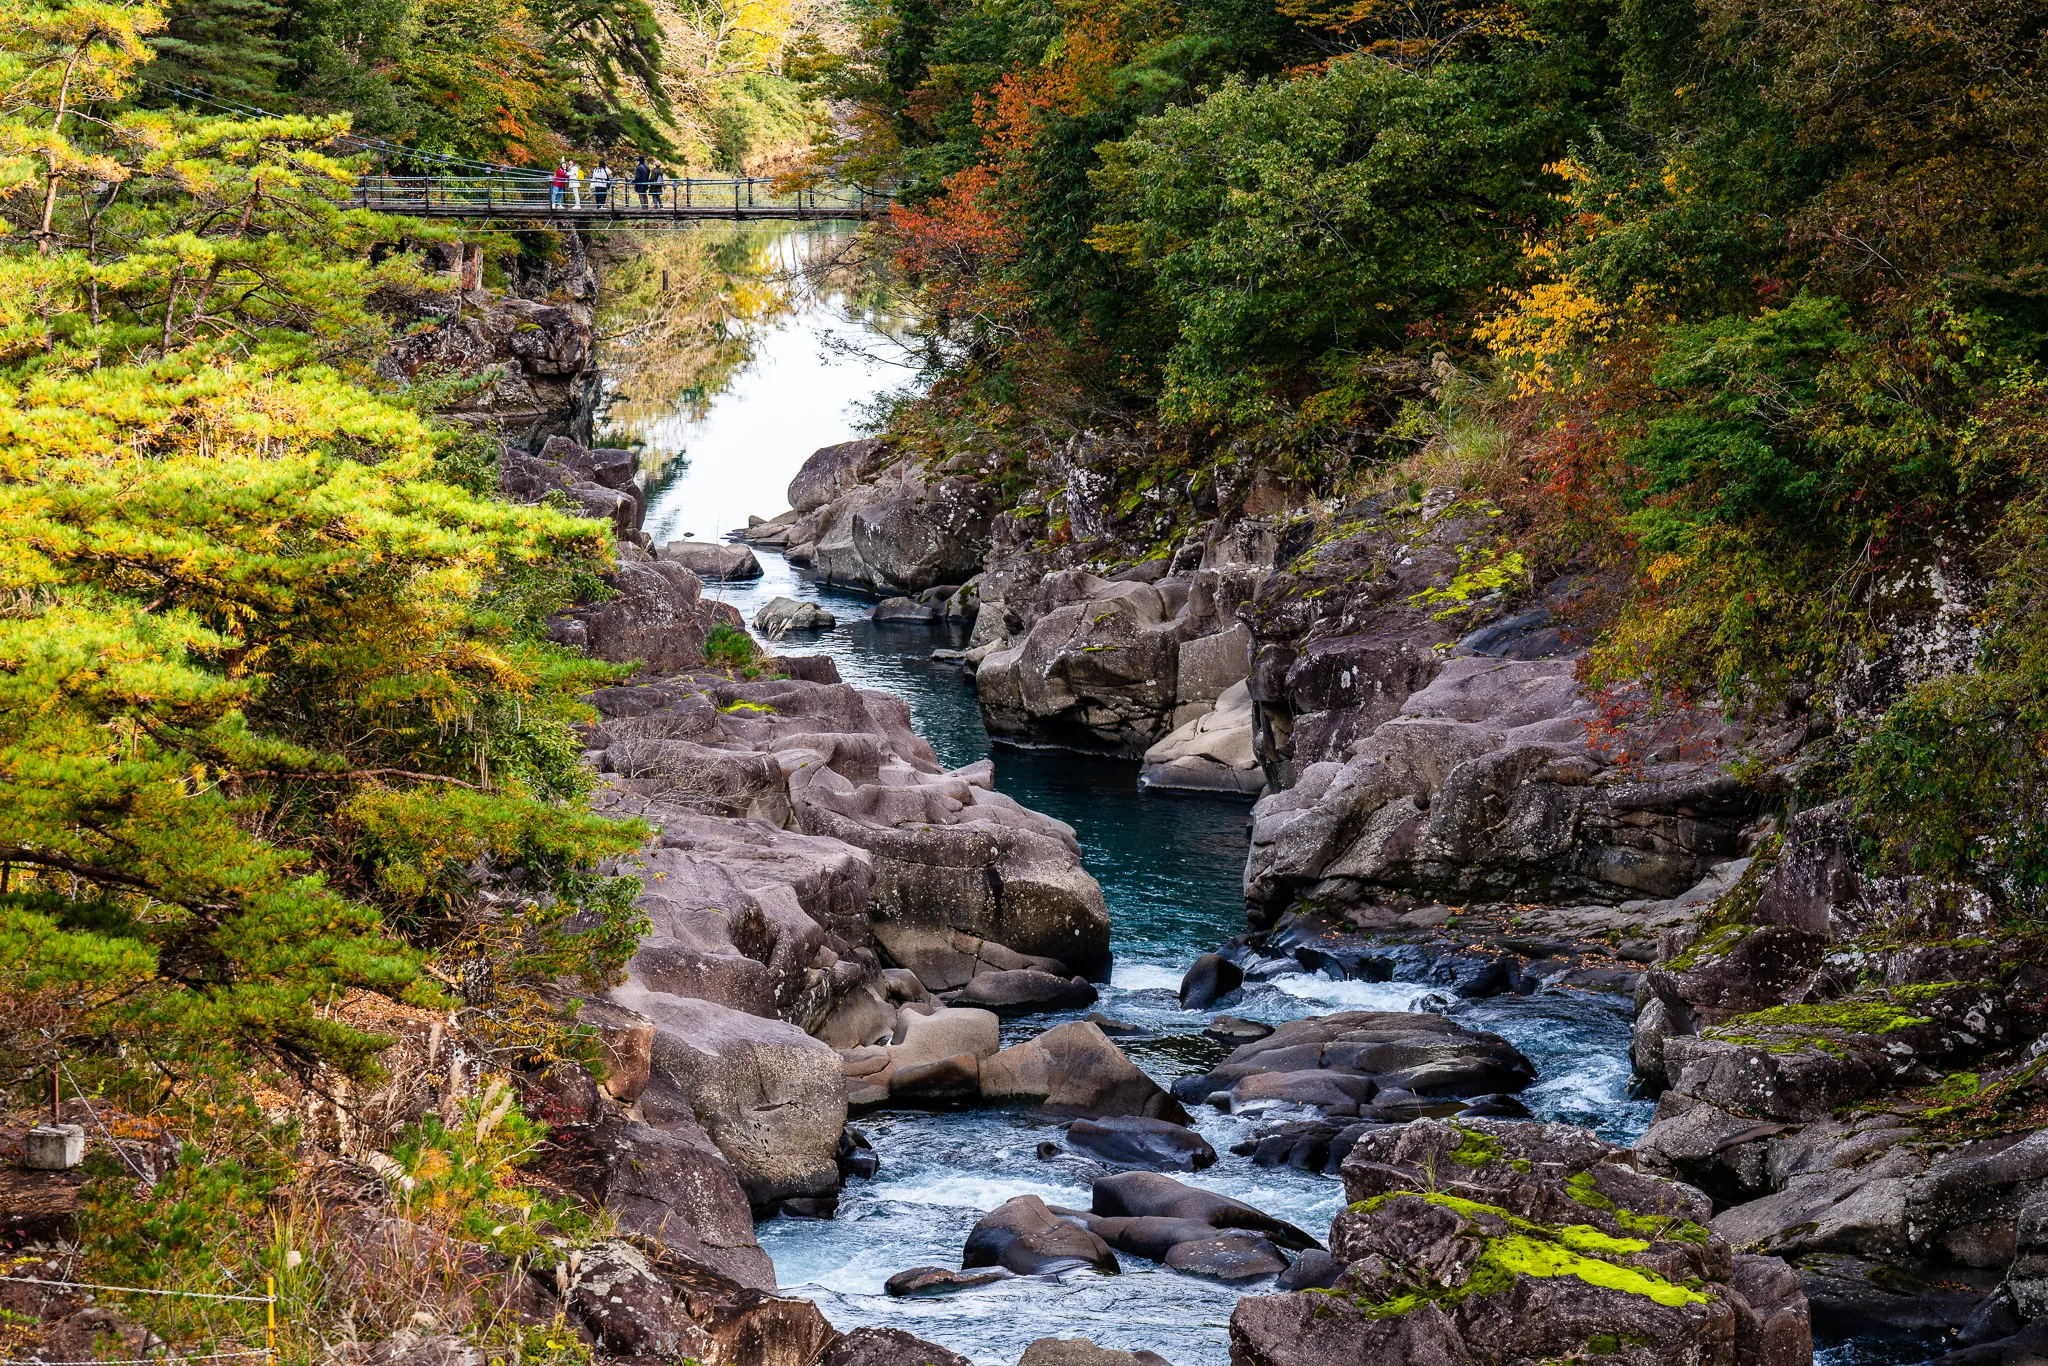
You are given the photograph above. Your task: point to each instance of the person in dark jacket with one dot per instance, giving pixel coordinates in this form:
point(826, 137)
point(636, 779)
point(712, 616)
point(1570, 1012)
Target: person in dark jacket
point(640, 180)
point(657, 181)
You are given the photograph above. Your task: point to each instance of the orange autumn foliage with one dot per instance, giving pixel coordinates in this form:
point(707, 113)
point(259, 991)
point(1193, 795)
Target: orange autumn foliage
point(957, 248)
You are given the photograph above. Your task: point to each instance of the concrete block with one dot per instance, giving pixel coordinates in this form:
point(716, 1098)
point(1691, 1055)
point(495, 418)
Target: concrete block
point(54, 1147)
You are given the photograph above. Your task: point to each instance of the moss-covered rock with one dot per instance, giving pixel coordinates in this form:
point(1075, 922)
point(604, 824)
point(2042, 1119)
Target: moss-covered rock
point(1805, 1060)
point(1490, 1241)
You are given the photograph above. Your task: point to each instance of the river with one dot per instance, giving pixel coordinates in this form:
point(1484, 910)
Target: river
point(1170, 869)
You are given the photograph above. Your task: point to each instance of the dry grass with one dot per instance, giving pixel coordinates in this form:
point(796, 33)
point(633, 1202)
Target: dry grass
point(1476, 440)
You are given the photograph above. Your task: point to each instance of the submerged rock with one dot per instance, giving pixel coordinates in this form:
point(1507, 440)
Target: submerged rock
point(939, 1280)
point(1137, 1141)
point(1208, 980)
point(1360, 1063)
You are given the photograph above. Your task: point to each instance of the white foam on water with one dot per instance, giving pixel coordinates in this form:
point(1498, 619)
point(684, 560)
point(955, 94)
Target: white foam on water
point(1351, 995)
point(961, 1190)
point(1598, 1082)
point(1146, 977)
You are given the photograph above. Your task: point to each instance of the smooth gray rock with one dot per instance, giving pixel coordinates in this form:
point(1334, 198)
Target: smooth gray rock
point(712, 561)
point(1074, 1069)
point(779, 616)
point(1025, 992)
point(769, 1095)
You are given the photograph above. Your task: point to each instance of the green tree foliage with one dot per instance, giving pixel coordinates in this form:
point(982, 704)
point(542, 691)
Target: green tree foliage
point(1764, 287)
point(274, 710)
point(1286, 223)
point(227, 48)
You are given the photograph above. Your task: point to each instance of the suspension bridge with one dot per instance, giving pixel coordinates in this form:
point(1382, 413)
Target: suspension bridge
point(534, 199)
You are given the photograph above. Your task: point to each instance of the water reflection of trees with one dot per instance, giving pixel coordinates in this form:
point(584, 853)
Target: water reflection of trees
point(683, 313)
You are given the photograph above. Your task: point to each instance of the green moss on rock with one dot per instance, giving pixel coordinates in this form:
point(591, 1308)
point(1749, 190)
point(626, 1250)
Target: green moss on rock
point(1475, 1149)
point(1530, 1249)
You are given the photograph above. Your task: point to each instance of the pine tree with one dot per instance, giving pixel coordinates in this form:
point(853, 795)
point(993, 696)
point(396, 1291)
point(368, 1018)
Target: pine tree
point(272, 696)
point(228, 49)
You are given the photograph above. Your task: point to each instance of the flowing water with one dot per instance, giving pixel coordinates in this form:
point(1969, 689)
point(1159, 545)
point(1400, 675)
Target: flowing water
point(1170, 868)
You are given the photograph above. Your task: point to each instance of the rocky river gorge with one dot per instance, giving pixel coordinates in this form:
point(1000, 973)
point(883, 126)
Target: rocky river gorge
point(1173, 927)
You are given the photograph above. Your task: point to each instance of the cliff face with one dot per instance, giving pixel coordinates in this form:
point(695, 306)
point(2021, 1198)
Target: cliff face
point(522, 356)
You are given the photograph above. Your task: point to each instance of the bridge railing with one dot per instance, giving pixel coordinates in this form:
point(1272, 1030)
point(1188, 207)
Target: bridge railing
point(685, 196)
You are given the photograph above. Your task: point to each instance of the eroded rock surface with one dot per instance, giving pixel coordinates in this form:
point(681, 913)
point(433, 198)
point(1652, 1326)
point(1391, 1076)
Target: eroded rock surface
point(862, 517)
point(1114, 665)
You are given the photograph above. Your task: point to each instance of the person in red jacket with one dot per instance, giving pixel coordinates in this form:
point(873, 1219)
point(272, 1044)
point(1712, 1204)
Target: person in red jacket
point(559, 184)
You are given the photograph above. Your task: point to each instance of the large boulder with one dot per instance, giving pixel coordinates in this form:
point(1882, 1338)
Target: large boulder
point(712, 561)
point(655, 616)
point(831, 470)
point(1098, 667)
point(1073, 1069)
point(795, 816)
point(946, 959)
point(779, 616)
point(1025, 1236)
point(888, 1347)
point(935, 1056)
point(1357, 1063)
point(1494, 781)
point(531, 354)
point(1513, 1243)
point(1213, 752)
point(769, 1095)
point(670, 1185)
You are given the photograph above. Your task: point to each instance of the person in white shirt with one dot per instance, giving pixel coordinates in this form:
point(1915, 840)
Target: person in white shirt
point(576, 184)
point(601, 183)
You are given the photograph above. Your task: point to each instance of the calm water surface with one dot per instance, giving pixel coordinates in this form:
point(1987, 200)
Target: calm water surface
point(1171, 870)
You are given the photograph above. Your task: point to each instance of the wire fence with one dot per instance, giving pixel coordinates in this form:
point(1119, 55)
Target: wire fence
point(167, 1355)
point(536, 196)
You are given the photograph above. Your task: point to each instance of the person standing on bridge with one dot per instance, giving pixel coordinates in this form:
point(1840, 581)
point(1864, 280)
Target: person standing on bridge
point(559, 183)
point(576, 183)
point(657, 181)
point(640, 179)
point(601, 183)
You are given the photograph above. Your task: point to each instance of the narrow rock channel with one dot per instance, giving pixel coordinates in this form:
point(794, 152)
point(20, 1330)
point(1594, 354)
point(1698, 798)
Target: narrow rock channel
point(1171, 869)
point(1126, 934)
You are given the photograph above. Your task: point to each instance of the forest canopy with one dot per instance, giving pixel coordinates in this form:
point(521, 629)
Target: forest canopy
point(1745, 311)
